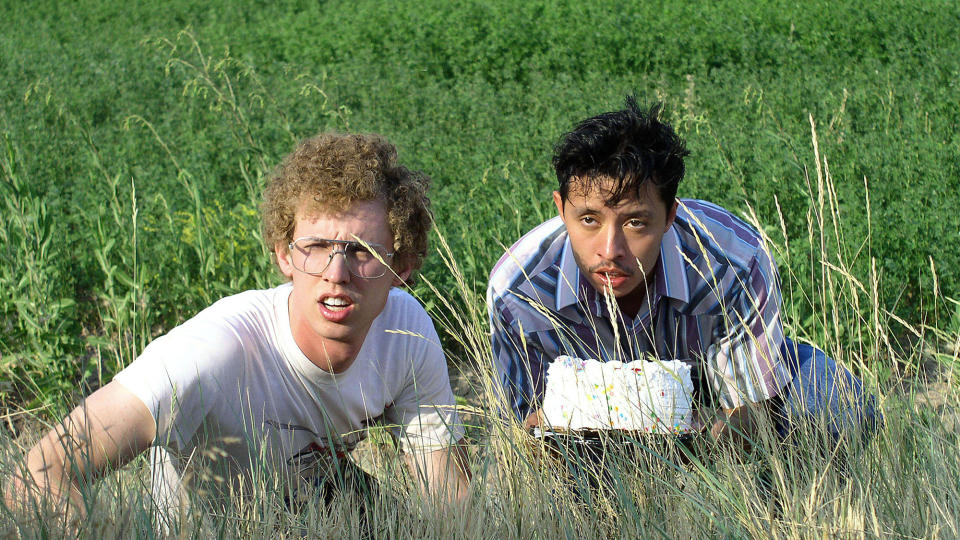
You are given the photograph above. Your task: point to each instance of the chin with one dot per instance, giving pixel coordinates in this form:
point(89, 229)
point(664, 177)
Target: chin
point(619, 292)
point(628, 291)
point(335, 332)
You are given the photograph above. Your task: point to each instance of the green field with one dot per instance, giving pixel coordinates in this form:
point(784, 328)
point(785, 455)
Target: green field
point(136, 139)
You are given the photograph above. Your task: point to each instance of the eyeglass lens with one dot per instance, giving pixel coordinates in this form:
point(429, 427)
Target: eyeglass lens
point(318, 253)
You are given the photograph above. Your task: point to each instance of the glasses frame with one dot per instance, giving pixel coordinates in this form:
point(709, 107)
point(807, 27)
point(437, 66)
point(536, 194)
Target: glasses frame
point(376, 249)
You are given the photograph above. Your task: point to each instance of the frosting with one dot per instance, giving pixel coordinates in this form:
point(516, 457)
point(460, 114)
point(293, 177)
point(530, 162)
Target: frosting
point(652, 397)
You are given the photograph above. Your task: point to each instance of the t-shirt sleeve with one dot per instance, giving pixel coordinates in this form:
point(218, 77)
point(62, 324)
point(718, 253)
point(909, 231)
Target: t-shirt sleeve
point(182, 375)
point(423, 416)
point(744, 362)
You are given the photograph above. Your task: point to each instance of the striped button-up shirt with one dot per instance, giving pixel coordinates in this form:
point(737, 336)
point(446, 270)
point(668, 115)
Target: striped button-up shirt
point(713, 302)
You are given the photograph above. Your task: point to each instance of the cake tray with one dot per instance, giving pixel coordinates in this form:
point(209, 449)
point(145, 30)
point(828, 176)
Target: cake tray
point(621, 435)
point(595, 444)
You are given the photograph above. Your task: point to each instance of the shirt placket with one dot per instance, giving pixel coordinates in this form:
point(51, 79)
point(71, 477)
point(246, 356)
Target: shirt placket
point(641, 331)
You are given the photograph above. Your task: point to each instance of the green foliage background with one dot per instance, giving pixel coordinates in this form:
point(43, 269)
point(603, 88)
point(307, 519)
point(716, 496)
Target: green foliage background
point(135, 139)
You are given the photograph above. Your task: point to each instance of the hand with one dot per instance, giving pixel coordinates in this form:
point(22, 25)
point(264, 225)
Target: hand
point(534, 420)
point(697, 423)
point(738, 426)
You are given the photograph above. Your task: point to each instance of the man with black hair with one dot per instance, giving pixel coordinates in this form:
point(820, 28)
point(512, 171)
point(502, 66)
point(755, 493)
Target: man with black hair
point(628, 270)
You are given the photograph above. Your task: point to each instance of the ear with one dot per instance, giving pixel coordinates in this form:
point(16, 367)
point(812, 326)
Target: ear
point(671, 214)
point(558, 200)
point(282, 253)
point(401, 277)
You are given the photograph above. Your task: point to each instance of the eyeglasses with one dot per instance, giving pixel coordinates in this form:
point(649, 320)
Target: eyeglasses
point(364, 260)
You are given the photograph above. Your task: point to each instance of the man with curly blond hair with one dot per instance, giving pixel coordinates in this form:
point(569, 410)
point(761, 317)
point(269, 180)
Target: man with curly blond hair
point(282, 383)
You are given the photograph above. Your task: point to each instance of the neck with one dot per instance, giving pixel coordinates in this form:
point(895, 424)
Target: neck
point(631, 303)
point(329, 355)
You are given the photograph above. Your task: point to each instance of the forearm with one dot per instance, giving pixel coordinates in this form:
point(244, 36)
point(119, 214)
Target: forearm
point(107, 430)
point(520, 362)
point(48, 477)
point(444, 473)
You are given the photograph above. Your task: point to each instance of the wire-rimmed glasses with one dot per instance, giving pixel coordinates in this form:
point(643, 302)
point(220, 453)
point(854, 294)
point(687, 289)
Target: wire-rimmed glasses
point(363, 260)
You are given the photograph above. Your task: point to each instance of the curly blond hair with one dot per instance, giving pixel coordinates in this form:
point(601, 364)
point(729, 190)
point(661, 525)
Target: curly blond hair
point(333, 170)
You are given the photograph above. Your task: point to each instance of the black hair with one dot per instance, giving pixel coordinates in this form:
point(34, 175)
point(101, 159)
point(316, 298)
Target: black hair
point(629, 146)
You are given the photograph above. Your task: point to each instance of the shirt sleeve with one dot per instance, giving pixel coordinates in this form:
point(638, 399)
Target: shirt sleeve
point(744, 361)
point(181, 376)
point(424, 415)
point(518, 362)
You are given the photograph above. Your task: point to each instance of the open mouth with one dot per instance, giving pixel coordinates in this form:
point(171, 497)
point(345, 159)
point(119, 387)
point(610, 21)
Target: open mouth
point(610, 277)
point(335, 308)
point(336, 303)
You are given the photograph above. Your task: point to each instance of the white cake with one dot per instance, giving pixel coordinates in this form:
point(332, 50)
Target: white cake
point(641, 396)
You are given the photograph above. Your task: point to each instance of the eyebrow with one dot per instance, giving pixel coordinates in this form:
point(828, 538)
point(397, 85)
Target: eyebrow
point(359, 242)
point(641, 214)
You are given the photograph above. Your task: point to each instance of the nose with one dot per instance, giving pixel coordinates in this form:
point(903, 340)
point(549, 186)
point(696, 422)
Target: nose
point(612, 244)
point(336, 270)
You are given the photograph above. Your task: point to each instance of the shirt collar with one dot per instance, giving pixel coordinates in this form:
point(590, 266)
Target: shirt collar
point(671, 272)
point(568, 282)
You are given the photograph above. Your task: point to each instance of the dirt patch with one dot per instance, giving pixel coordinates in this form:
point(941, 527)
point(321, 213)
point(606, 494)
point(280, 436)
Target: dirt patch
point(942, 398)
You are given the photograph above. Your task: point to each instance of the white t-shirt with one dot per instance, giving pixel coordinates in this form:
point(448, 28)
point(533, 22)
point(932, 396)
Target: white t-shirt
point(231, 391)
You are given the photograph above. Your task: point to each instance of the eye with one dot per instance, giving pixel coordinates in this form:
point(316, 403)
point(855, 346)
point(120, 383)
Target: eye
point(588, 221)
point(358, 251)
point(634, 224)
point(316, 243)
